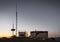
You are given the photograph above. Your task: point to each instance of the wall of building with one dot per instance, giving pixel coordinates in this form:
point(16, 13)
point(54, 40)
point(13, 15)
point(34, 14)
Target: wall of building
point(42, 35)
point(22, 34)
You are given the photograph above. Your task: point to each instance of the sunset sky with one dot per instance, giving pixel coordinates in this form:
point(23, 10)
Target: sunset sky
point(42, 15)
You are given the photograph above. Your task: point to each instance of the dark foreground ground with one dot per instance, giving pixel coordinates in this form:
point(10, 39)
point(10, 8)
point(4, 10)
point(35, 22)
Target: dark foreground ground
point(25, 40)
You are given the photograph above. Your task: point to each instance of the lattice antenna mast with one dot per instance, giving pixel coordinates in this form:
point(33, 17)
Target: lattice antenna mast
point(16, 17)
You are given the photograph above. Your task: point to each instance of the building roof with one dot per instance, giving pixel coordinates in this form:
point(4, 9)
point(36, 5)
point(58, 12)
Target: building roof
point(39, 31)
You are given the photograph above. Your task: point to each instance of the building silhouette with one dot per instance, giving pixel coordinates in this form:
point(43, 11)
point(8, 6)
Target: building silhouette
point(42, 35)
point(22, 34)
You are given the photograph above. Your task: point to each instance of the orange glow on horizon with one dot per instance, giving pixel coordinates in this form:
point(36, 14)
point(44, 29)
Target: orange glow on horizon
point(9, 35)
point(5, 35)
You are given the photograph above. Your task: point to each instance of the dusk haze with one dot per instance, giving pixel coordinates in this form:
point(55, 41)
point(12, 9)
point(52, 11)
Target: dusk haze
point(39, 15)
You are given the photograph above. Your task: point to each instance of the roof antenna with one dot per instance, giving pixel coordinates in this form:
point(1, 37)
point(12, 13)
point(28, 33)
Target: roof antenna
point(35, 29)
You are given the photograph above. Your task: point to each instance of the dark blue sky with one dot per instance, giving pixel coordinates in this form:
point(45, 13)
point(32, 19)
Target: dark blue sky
point(32, 14)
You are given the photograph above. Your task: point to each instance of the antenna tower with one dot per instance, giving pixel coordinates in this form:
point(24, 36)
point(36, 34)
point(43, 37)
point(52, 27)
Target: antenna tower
point(16, 17)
